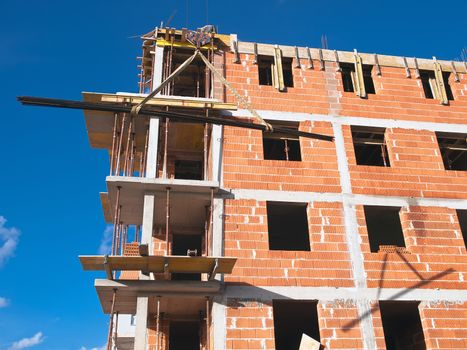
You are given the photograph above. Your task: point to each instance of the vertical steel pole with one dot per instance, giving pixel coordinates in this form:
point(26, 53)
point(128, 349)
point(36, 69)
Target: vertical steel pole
point(119, 150)
point(208, 323)
point(145, 153)
point(158, 316)
point(114, 140)
point(111, 323)
point(116, 219)
point(166, 142)
point(167, 221)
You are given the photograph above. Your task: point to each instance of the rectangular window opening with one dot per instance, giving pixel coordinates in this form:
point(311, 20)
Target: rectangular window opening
point(453, 147)
point(288, 226)
point(292, 319)
point(192, 81)
point(462, 218)
point(430, 86)
point(181, 244)
point(370, 146)
point(266, 73)
point(402, 325)
point(185, 151)
point(384, 228)
point(349, 78)
point(184, 335)
point(277, 146)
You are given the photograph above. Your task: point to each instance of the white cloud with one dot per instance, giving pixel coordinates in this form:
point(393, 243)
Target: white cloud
point(106, 242)
point(103, 347)
point(9, 238)
point(4, 302)
point(27, 342)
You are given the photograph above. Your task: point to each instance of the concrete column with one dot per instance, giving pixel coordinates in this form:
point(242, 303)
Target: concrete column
point(142, 304)
point(353, 241)
point(151, 161)
point(148, 220)
point(218, 228)
point(219, 323)
point(216, 152)
point(157, 68)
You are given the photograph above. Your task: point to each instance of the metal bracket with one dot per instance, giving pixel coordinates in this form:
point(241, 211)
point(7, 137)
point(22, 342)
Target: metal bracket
point(237, 55)
point(456, 75)
point(255, 50)
point(310, 61)
point(321, 60)
point(297, 59)
point(417, 70)
point(336, 55)
point(406, 66)
point(108, 270)
point(378, 67)
point(214, 270)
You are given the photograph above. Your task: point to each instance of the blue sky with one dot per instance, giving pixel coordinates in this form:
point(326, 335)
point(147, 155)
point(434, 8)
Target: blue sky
point(50, 177)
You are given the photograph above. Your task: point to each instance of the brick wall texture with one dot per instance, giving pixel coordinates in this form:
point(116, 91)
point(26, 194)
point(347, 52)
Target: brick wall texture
point(435, 256)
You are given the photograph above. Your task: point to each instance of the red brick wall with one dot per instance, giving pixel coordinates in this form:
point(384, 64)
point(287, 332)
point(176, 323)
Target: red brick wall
point(435, 245)
point(250, 325)
point(444, 325)
point(396, 96)
point(246, 237)
point(244, 165)
point(416, 169)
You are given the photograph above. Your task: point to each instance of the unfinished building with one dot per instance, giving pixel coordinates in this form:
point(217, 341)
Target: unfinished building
point(278, 197)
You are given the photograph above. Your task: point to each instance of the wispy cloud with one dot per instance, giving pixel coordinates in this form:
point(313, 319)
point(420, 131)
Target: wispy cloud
point(24, 343)
point(4, 302)
point(9, 238)
point(106, 241)
point(95, 348)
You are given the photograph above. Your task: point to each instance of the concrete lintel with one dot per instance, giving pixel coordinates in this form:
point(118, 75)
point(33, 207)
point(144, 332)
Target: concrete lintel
point(353, 199)
point(330, 293)
point(348, 120)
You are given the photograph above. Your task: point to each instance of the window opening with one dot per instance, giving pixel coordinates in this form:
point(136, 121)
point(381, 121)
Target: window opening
point(268, 74)
point(288, 226)
point(462, 218)
point(431, 87)
point(349, 78)
point(292, 318)
point(384, 228)
point(278, 146)
point(369, 146)
point(402, 325)
point(453, 147)
point(181, 244)
point(184, 335)
point(192, 81)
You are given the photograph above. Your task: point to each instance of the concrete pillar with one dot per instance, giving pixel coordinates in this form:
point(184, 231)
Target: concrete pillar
point(142, 302)
point(216, 152)
point(157, 68)
point(151, 162)
point(148, 221)
point(219, 323)
point(141, 334)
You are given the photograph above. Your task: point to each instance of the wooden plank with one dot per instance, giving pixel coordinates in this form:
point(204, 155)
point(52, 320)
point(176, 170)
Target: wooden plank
point(106, 207)
point(348, 57)
point(174, 102)
point(155, 264)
